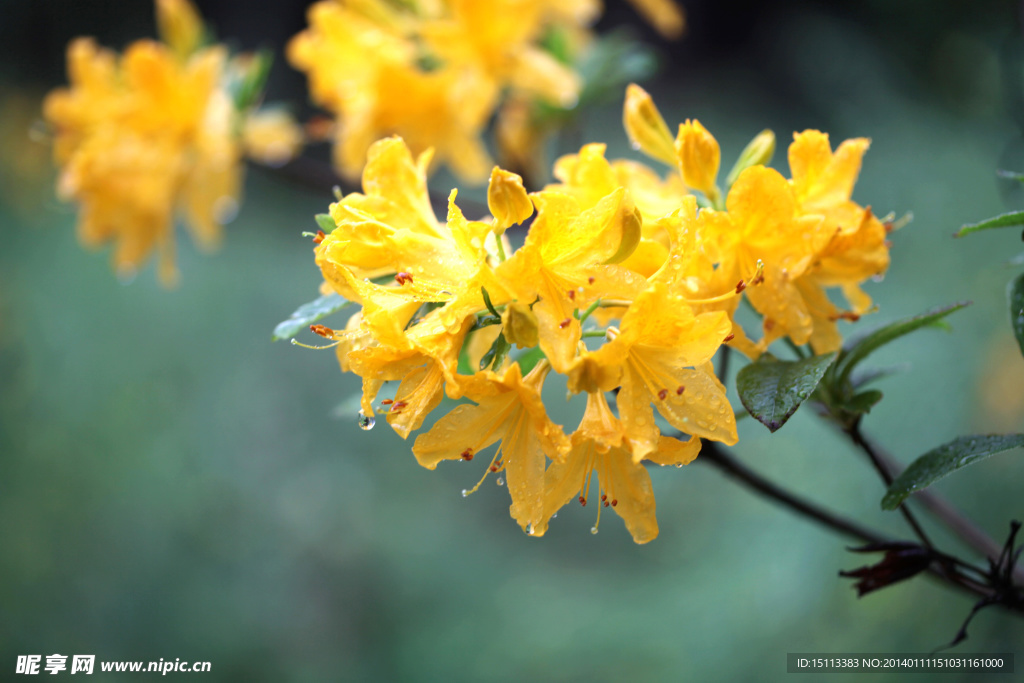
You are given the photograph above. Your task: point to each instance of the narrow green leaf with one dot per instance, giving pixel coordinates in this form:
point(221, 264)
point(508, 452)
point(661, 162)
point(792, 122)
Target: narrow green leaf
point(487, 302)
point(309, 313)
point(941, 461)
point(864, 401)
point(867, 344)
point(1015, 292)
point(325, 222)
point(1005, 220)
point(862, 378)
point(771, 390)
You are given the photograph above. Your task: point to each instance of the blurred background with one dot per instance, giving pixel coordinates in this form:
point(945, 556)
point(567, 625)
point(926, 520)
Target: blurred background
point(174, 485)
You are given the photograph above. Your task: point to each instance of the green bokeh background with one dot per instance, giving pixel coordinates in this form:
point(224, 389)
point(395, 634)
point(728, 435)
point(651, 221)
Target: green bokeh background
point(173, 485)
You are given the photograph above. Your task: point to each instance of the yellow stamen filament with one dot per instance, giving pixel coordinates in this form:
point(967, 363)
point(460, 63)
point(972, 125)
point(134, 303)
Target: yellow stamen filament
point(296, 342)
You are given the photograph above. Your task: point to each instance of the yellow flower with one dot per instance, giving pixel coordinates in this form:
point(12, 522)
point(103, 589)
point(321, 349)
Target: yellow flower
point(564, 265)
point(664, 15)
point(661, 356)
point(507, 199)
point(510, 410)
point(180, 26)
point(823, 183)
point(601, 446)
point(765, 224)
point(645, 127)
point(141, 137)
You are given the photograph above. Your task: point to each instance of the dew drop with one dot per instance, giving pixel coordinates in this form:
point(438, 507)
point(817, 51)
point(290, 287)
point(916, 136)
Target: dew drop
point(635, 145)
point(679, 464)
point(465, 493)
point(500, 481)
point(529, 529)
point(365, 421)
point(593, 529)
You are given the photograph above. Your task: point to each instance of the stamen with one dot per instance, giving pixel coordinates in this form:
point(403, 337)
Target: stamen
point(614, 502)
point(319, 237)
point(729, 339)
point(467, 454)
point(740, 286)
point(386, 402)
point(565, 323)
point(590, 280)
point(583, 501)
point(296, 342)
point(322, 330)
point(846, 315)
point(572, 294)
point(680, 389)
point(397, 406)
point(403, 278)
point(663, 394)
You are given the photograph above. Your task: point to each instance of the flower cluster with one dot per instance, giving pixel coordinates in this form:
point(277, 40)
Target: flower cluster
point(157, 130)
point(435, 72)
point(627, 283)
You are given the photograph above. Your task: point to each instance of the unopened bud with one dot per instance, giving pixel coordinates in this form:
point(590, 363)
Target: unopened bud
point(520, 325)
point(645, 126)
point(699, 156)
point(758, 152)
point(507, 199)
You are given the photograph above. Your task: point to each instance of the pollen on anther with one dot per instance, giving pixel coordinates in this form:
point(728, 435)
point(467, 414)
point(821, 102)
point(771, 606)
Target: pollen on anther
point(397, 406)
point(663, 394)
point(729, 339)
point(614, 502)
point(403, 278)
point(564, 324)
point(322, 330)
point(583, 501)
point(680, 389)
point(740, 286)
point(590, 280)
point(319, 237)
point(386, 402)
point(467, 454)
point(572, 294)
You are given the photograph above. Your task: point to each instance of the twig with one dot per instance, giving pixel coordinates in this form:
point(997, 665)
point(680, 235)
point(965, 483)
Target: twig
point(887, 476)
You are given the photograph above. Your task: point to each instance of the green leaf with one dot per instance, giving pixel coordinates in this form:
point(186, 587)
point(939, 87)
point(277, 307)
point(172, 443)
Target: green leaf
point(1016, 294)
point(325, 222)
point(1010, 175)
point(528, 360)
point(309, 313)
point(1005, 220)
point(772, 390)
point(938, 462)
point(864, 401)
point(864, 346)
point(248, 89)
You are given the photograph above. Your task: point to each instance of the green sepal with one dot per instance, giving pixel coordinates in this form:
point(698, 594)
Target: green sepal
point(308, 313)
point(941, 461)
point(772, 390)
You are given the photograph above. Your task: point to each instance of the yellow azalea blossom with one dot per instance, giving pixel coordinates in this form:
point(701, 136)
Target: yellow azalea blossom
point(601, 446)
point(567, 259)
point(180, 26)
point(365, 72)
point(660, 357)
point(823, 183)
point(508, 409)
point(765, 224)
point(140, 137)
point(645, 126)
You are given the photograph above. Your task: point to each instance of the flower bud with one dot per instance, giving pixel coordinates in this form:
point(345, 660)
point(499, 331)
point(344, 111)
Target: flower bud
point(520, 325)
point(179, 26)
point(758, 152)
point(645, 127)
point(507, 199)
point(698, 156)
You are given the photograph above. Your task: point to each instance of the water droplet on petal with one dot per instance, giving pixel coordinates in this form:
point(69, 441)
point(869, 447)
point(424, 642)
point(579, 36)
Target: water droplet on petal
point(365, 421)
point(500, 481)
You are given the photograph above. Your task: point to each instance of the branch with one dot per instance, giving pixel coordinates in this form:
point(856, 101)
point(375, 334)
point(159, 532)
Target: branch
point(952, 518)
